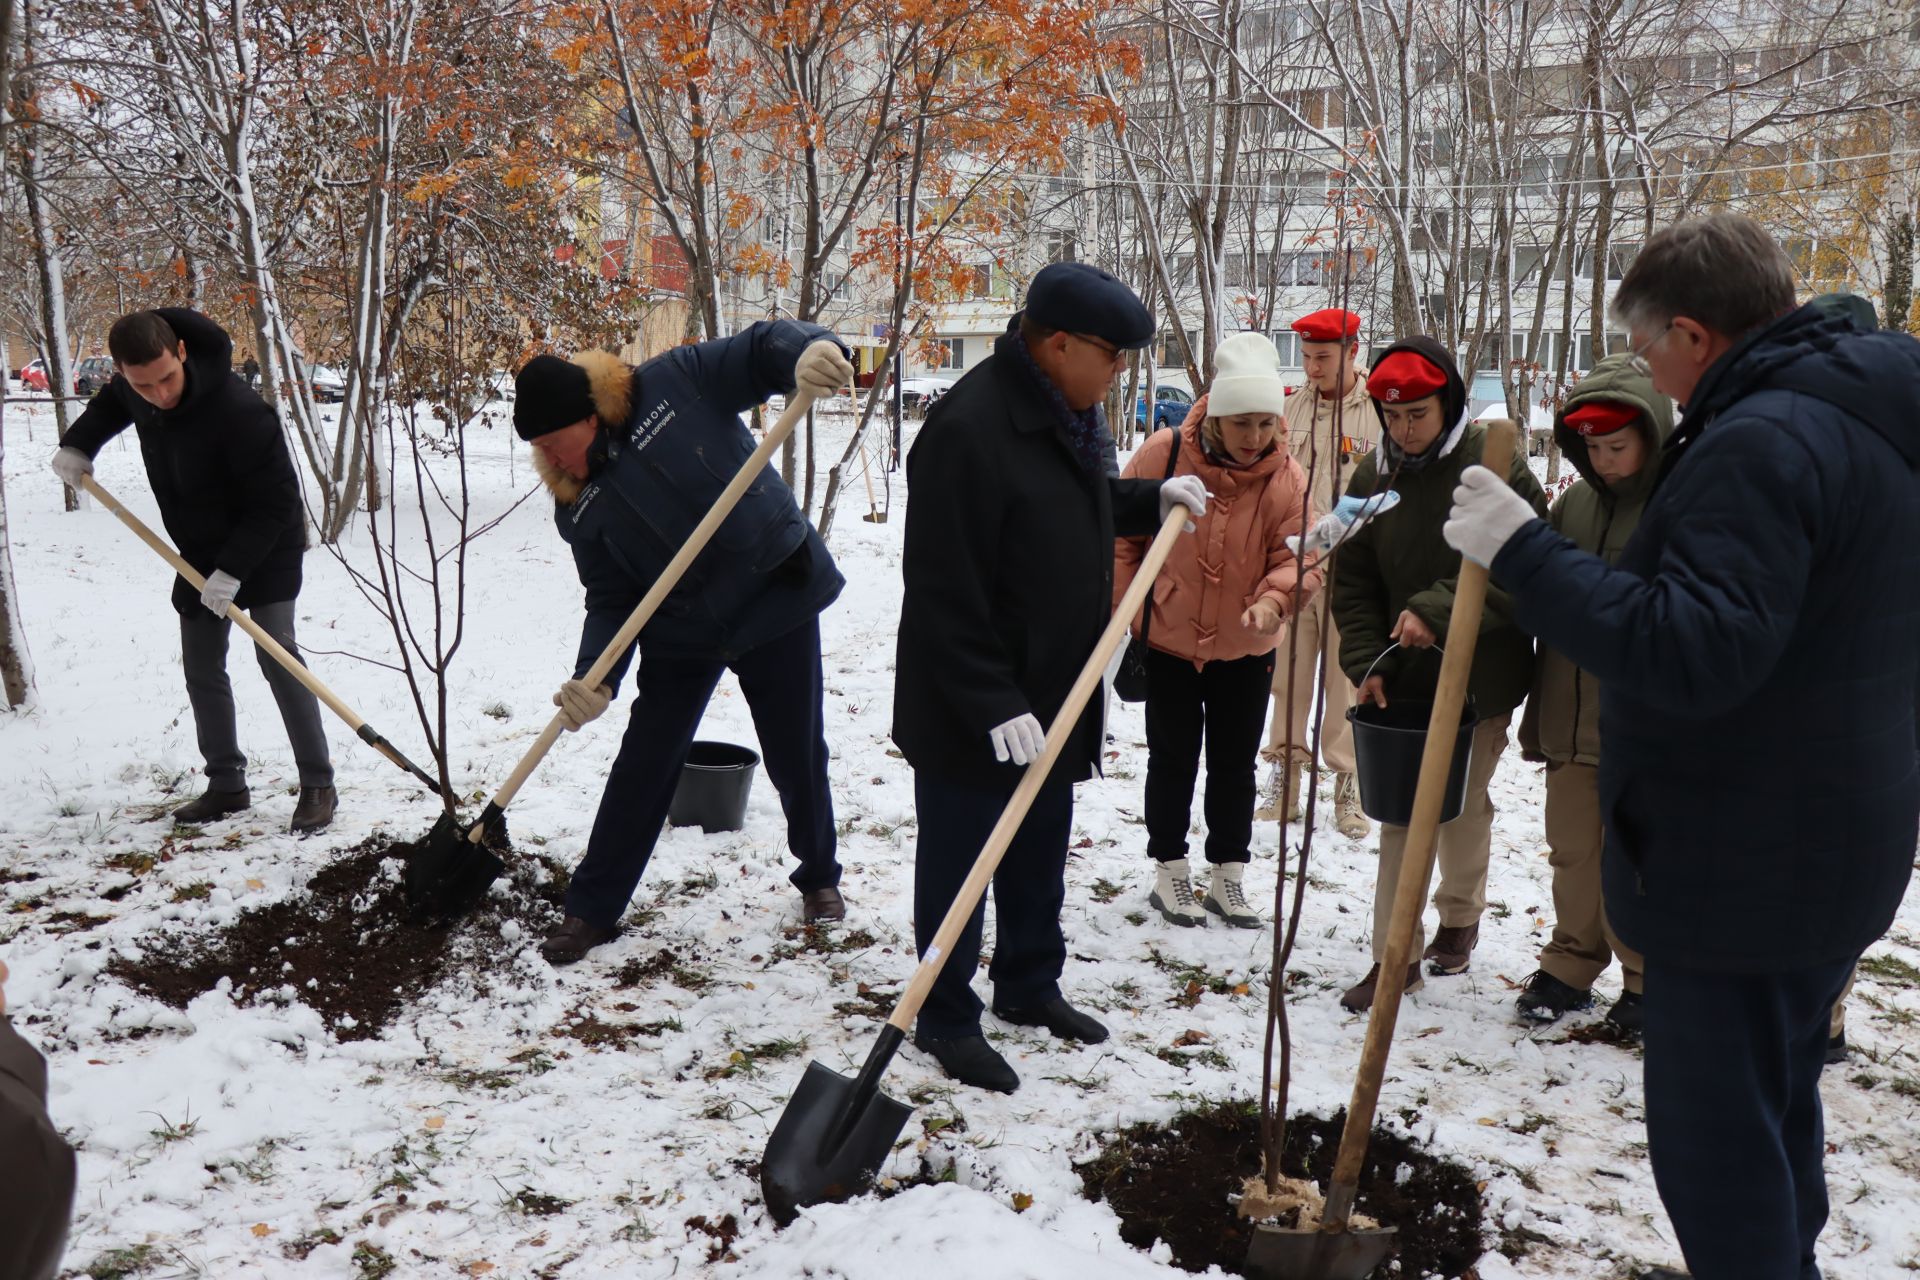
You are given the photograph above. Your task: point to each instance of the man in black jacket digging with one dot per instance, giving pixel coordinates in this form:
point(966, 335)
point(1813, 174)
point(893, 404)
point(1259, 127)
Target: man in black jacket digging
point(1009, 580)
point(217, 460)
point(634, 459)
point(1754, 647)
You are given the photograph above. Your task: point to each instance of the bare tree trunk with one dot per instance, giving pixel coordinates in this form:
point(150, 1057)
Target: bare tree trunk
point(16, 665)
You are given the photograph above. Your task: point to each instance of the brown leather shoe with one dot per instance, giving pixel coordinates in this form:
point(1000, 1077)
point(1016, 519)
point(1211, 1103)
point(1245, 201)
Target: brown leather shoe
point(1359, 996)
point(822, 906)
point(573, 939)
point(314, 810)
point(1451, 950)
point(211, 804)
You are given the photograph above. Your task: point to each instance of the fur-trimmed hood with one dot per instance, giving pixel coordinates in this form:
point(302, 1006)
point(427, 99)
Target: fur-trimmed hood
point(611, 380)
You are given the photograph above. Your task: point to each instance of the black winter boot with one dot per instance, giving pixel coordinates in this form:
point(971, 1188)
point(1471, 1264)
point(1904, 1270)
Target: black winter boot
point(1058, 1017)
point(1544, 997)
point(971, 1060)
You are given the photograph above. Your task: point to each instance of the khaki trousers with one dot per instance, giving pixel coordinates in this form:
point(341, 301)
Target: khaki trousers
point(1463, 849)
point(1582, 945)
point(1837, 1020)
point(1286, 737)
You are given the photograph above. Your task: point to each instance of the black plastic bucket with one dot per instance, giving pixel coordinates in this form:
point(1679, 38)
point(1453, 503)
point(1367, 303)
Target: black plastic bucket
point(1387, 745)
point(713, 787)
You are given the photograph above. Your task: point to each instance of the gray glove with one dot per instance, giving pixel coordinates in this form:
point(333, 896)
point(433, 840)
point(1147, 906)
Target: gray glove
point(821, 370)
point(70, 464)
point(581, 703)
point(219, 591)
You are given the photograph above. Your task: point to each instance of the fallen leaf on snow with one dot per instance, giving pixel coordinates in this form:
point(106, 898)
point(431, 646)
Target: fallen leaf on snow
point(1022, 1202)
point(440, 1122)
point(262, 1229)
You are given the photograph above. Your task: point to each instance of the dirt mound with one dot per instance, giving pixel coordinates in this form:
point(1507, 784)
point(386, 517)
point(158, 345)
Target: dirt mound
point(1171, 1182)
point(347, 946)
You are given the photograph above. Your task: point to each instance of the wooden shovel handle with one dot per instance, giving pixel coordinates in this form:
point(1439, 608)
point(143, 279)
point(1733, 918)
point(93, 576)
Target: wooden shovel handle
point(1015, 813)
point(650, 603)
point(274, 648)
point(1436, 763)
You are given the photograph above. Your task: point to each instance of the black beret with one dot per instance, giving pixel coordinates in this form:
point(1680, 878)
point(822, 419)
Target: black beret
point(1081, 298)
point(550, 393)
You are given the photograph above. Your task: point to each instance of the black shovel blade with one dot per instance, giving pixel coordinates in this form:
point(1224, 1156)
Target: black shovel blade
point(831, 1140)
point(1279, 1253)
point(448, 874)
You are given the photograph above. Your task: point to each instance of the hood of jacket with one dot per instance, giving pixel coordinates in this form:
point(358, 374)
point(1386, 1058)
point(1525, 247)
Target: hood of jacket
point(1821, 350)
point(1217, 471)
point(1453, 400)
point(611, 379)
point(1614, 379)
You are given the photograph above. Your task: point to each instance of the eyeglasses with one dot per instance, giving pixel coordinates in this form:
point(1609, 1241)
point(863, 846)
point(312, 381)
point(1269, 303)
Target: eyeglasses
point(1112, 353)
point(1637, 360)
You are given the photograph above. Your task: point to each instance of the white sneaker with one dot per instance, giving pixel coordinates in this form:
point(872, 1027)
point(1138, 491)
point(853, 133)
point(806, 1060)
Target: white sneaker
point(1347, 816)
point(1226, 899)
point(1172, 894)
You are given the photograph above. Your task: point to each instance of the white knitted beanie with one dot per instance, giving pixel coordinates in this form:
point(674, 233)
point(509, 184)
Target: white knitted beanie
point(1246, 377)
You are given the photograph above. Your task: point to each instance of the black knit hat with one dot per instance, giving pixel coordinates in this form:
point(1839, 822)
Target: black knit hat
point(550, 393)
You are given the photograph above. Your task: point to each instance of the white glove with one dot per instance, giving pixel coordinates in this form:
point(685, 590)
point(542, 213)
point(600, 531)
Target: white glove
point(1020, 740)
point(821, 370)
point(70, 464)
point(1186, 491)
point(581, 703)
point(1348, 517)
point(1486, 512)
point(219, 591)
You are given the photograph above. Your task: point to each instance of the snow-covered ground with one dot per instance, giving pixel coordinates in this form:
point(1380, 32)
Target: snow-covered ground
point(473, 1138)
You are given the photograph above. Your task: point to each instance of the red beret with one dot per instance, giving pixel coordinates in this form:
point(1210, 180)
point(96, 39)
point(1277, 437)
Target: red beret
point(1601, 417)
point(1404, 376)
point(1331, 325)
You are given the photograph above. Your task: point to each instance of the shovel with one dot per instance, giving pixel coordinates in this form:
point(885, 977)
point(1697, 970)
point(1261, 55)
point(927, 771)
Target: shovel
point(1333, 1251)
point(271, 647)
point(450, 871)
point(836, 1133)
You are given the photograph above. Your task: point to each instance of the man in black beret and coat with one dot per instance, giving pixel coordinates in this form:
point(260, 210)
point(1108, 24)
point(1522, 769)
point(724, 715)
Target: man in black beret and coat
point(634, 458)
point(1008, 562)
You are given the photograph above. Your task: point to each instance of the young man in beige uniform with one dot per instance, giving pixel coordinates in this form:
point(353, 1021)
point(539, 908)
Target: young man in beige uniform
point(1332, 423)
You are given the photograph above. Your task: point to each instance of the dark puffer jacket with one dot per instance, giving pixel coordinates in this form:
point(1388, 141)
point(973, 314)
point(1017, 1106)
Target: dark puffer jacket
point(670, 440)
point(218, 465)
point(1756, 657)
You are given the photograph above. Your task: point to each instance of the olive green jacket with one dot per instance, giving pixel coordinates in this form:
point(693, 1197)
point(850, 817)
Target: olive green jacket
point(1562, 720)
point(1399, 561)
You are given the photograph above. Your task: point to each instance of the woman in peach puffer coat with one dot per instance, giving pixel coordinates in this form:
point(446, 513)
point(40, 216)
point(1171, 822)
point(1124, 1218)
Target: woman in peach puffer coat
point(1216, 611)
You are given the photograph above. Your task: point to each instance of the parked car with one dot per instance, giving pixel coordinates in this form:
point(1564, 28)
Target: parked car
point(1170, 406)
point(34, 376)
point(92, 374)
point(918, 394)
point(500, 385)
point(328, 386)
point(1486, 397)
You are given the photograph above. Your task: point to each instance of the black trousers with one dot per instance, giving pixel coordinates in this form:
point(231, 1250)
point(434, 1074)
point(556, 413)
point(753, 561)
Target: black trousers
point(1226, 704)
point(203, 656)
point(1734, 1126)
point(782, 684)
point(1029, 951)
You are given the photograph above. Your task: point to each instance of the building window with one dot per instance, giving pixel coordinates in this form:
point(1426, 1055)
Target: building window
point(953, 353)
point(1288, 345)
